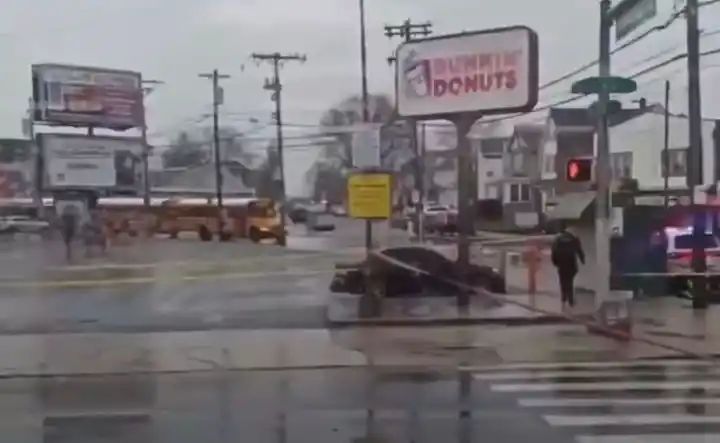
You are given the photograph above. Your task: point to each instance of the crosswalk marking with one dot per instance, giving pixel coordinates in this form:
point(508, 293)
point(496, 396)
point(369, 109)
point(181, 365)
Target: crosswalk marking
point(535, 375)
point(606, 386)
point(641, 401)
point(651, 438)
point(629, 419)
point(605, 402)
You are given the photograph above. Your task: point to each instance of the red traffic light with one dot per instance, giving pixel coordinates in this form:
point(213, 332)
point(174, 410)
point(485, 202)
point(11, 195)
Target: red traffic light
point(579, 169)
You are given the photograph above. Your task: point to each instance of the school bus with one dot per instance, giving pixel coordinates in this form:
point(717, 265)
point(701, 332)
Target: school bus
point(254, 218)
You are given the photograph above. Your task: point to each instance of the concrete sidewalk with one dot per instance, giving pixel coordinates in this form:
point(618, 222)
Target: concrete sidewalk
point(509, 310)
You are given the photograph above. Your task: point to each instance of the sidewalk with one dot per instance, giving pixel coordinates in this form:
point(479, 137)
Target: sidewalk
point(343, 310)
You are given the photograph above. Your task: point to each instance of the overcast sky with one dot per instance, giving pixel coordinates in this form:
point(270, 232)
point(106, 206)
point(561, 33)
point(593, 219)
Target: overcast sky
point(173, 40)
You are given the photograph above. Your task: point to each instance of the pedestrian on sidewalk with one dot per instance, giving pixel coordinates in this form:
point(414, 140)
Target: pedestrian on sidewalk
point(566, 251)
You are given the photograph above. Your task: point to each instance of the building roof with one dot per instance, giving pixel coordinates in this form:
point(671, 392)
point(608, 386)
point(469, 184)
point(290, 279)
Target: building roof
point(202, 178)
point(571, 117)
point(585, 117)
point(530, 134)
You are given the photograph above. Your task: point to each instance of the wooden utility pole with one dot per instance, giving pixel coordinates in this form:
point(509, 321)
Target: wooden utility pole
point(274, 85)
point(218, 99)
point(409, 30)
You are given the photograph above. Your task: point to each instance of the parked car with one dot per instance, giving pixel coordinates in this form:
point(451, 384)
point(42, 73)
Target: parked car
point(401, 282)
point(441, 219)
point(318, 221)
point(298, 214)
point(22, 223)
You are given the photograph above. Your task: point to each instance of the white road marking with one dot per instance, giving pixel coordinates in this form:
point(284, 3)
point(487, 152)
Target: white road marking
point(592, 402)
point(651, 438)
point(605, 386)
point(620, 373)
point(589, 365)
point(629, 420)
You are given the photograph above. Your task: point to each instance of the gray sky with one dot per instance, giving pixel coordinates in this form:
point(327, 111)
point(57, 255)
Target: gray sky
point(173, 40)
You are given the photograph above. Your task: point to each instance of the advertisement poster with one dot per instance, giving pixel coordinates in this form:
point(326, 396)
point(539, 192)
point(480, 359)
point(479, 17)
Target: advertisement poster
point(483, 72)
point(83, 96)
point(81, 162)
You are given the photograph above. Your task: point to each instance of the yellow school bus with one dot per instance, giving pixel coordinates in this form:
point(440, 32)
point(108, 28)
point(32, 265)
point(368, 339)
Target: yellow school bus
point(254, 218)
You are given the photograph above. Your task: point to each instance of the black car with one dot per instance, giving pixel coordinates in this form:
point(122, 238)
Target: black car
point(400, 281)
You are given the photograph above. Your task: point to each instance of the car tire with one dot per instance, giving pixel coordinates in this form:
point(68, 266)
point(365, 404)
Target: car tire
point(255, 235)
point(204, 233)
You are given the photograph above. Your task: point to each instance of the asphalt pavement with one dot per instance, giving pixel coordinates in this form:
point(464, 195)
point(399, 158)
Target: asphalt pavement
point(159, 284)
point(603, 402)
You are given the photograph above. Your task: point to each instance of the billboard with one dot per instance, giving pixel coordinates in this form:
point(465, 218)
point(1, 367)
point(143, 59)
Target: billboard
point(485, 72)
point(83, 96)
point(82, 162)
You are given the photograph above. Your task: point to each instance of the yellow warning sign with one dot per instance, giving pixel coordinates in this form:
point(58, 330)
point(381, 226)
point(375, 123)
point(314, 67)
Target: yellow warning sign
point(369, 195)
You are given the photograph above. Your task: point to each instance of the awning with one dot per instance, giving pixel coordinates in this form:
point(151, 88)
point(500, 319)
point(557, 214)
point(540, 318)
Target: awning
point(571, 206)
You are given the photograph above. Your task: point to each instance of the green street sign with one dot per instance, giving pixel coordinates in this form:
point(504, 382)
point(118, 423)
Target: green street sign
point(613, 85)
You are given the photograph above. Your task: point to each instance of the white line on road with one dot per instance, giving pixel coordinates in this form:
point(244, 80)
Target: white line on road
point(594, 374)
point(601, 402)
point(605, 386)
point(650, 438)
point(629, 420)
point(590, 364)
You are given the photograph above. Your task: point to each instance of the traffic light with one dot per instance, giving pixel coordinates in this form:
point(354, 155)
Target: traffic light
point(579, 170)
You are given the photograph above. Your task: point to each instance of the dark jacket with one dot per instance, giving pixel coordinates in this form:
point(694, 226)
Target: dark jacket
point(566, 251)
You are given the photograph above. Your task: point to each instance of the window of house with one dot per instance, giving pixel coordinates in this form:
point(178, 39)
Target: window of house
point(678, 162)
point(621, 164)
point(492, 191)
point(549, 164)
point(517, 163)
point(519, 192)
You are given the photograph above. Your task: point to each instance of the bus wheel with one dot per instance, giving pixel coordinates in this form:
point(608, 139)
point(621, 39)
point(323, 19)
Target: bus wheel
point(255, 235)
point(173, 235)
point(204, 233)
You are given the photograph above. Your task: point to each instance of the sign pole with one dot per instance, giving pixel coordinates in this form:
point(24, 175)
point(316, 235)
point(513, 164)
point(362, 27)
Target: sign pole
point(466, 219)
point(602, 201)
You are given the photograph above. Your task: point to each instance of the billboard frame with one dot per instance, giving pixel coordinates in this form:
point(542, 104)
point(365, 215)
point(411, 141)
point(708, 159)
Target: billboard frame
point(42, 170)
point(40, 102)
point(533, 74)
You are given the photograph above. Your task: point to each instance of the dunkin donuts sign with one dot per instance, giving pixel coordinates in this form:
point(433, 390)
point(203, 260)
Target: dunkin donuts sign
point(485, 72)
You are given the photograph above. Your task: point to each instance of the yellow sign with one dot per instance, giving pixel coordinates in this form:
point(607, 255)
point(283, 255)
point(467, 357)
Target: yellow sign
point(369, 195)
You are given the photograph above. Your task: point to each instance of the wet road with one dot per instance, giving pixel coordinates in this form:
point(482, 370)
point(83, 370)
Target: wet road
point(674, 401)
point(170, 285)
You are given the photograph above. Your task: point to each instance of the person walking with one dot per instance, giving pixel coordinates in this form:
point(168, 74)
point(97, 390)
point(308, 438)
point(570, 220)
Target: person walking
point(566, 251)
point(68, 227)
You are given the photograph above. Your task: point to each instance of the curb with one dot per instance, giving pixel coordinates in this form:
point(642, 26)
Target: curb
point(399, 322)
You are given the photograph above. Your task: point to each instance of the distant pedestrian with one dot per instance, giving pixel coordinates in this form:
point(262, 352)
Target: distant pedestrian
point(566, 251)
point(69, 220)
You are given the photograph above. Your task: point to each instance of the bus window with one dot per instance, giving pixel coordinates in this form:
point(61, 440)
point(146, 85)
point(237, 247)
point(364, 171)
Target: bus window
point(261, 209)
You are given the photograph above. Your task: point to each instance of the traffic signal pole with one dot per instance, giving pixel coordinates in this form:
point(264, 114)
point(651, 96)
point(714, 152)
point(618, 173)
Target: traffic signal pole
point(602, 170)
point(695, 160)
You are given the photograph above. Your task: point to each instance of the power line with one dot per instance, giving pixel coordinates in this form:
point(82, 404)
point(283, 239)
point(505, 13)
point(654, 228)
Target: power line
point(633, 76)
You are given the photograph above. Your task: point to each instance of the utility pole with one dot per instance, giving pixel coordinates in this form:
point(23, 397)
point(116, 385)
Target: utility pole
point(695, 154)
point(148, 86)
point(408, 30)
point(275, 86)
point(365, 104)
point(602, 169)
point(666, 147)
point(218, 99)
